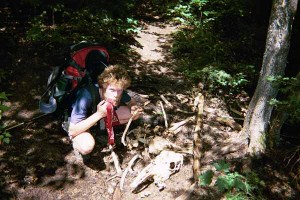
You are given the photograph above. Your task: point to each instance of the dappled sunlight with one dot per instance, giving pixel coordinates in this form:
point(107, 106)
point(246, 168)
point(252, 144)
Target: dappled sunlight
point(39, 162)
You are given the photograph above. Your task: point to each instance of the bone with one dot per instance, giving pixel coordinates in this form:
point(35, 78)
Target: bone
point(128, 168)
point(161, 168)
point(116, 160)
point(164, 114)
point(126, 129)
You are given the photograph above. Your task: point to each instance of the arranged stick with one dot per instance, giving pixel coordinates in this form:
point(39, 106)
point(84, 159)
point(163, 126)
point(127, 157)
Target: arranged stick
point(197, 137)
point(128, 168)
point(164, 113)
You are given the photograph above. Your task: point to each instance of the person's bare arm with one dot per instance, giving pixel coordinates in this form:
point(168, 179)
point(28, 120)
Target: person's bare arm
point(84, 125)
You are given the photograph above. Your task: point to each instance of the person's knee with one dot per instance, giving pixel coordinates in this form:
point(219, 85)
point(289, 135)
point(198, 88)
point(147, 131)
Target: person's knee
point(85, 145)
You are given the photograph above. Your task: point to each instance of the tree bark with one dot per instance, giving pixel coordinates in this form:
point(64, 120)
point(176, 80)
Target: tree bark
point(274, 62)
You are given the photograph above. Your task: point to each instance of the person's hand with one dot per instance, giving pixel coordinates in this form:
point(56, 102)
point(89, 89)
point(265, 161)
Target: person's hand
point(101, 108)
point(136, 111)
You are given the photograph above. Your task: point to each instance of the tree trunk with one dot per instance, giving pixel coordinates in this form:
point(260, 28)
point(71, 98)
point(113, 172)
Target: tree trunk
point(274, 62)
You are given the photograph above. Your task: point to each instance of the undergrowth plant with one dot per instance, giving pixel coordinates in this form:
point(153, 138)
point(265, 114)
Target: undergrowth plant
point(80, 25)
point(290, 100)
point(4, 135)
point(214, 45)
point(234, 185)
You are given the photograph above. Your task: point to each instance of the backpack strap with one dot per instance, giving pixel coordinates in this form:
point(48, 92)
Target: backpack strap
point(71, 77)
point(76, 65)
point(95, 96)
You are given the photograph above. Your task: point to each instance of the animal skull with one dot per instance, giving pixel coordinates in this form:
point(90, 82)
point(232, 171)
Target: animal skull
point(163, 166)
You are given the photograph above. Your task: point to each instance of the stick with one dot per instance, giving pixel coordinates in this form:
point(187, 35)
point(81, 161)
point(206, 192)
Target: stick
point(17, 125)
point(126, 129)
point(197, 137)
point(164, 113)
point(175, 126)
point(128, 168)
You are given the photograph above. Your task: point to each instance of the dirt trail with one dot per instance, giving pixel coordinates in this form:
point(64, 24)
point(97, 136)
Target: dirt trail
point(151, 41)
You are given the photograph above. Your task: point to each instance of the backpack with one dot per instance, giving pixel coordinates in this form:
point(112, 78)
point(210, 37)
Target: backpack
point(84, 62)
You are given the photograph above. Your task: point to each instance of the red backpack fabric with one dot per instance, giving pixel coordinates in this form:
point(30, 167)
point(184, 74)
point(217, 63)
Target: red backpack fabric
point(78, 63)
point(82, 63)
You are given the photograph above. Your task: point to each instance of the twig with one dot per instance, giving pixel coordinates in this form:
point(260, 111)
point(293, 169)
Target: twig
point(164, 113)
point(128, 168)
point(175, 126)
point(236, 111)
point(184, 111)
point(20, 124)
point(126, 129)
point(166, 101)
point(229, 122)
point(114, 176)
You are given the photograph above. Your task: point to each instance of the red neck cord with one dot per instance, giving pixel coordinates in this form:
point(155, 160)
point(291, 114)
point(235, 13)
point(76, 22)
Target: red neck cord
point(108, 123)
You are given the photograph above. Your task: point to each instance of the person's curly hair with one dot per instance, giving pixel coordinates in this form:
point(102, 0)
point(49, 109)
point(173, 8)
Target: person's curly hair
point(115, 75)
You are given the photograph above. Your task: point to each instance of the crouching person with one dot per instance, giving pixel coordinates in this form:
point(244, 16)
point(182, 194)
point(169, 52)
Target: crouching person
point(110, 89)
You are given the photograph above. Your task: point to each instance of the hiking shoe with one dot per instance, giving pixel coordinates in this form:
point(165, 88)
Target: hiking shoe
point(65, 124)
point(81, 158)
point(78, 155)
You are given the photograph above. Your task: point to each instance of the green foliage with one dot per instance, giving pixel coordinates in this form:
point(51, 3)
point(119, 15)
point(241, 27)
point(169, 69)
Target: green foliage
point(191, 13)
point(221, 165)
point(206, 177)
point(233, 184)
point(215, 40)
point(2, 75)
point(289, 96)
point(63, 25)
point(4, 135)
point(214, 79)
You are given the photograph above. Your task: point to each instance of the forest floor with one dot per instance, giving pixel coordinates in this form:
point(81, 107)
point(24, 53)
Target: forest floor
point(39, 163)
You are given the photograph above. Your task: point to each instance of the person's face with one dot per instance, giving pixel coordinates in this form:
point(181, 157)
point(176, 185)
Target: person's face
point(113, 94)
